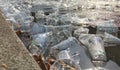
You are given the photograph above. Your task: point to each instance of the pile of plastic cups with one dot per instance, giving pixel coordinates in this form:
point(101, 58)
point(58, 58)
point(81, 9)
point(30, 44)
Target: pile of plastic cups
point(50, 24)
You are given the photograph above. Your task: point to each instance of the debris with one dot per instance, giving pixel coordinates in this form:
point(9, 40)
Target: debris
point(111, 39)
point(95, 46)
point(60, 36)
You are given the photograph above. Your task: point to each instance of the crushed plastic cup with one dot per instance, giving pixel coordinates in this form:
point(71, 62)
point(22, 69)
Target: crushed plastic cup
point(99, 63)
point(47, 8)
point(74, 52)
point(109, 38)
point(34, 49)
point(68, 58)
point(97, 68)
point(49, 39)
point(80, 31)
point(111, 65)
point(72, 4)
point(56, 38)
point(65, 44)
point(38, 28)
point(64, 55)
point(41, 39)
point(95, 45)
point(60, 65)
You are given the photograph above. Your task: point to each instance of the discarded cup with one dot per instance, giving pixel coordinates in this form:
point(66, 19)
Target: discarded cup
point(74, 52)
point(37, 28)
point(95, 46)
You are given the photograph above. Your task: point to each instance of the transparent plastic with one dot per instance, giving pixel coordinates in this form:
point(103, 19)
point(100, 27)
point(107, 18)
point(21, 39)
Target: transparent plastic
point(38, 28)
point(95, 46)
point(49, 39)
point(59, 65)
point(109, 38)
point(71, 52)
point(80, 31)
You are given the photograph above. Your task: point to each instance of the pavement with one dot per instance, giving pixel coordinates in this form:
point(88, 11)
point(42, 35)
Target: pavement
point(13, 54)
